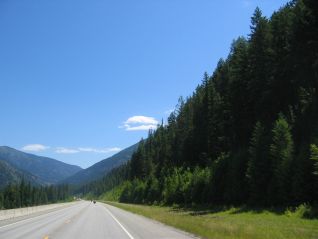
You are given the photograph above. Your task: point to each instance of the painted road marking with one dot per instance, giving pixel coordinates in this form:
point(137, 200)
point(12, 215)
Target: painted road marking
point(46, 237)
point(130, 236)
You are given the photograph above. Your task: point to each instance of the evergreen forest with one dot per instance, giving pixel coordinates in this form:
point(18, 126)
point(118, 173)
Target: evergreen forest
point(26, 195)
point(249, 132)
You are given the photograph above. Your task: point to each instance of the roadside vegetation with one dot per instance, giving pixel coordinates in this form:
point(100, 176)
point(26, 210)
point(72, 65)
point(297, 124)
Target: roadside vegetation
point(248, 135)
point(232, 222)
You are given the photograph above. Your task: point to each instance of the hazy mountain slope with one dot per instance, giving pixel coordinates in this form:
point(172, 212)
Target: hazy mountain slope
point(45, 170)
point(10, 174)
point(99, 169)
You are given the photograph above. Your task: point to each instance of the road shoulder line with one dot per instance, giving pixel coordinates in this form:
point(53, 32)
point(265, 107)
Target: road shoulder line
point(130, 236)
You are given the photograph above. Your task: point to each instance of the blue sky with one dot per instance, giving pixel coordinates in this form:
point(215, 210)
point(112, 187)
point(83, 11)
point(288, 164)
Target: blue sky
point(81, 80)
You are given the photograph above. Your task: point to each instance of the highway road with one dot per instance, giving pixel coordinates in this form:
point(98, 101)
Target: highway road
point(84, 220)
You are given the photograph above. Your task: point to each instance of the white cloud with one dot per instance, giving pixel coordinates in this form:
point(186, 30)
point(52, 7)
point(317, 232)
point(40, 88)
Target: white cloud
point(141, 127)
point(86, 149)
point(114, 149)
point(104, 150)
point(62, 150)
point(140, 122)
point(35, 147)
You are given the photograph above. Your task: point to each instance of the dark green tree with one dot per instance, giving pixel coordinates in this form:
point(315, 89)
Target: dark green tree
point(281, 153)
point(258, 171)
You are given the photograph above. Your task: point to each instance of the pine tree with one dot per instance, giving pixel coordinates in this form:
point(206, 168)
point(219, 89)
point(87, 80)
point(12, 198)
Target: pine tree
point(314, 157)
point(213, 104)
point(240, 107)
point(260, 66)
point(281, 152)
point(258, 171)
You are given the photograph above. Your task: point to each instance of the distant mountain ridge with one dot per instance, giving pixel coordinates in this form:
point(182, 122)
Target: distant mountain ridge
point(37, 169)
point(10, 174)
point(101, 168)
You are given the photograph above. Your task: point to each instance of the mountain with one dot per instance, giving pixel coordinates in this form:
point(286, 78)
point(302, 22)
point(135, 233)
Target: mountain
point(41, 170)
point(99, 169)
point(10, 174)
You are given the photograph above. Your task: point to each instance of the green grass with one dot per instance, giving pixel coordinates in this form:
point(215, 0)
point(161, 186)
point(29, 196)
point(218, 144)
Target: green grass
point(238, 223)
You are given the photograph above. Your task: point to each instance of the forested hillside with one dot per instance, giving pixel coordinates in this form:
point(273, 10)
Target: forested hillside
point(38, 169)
point(25, 195)
point(27, 179)
point(100, 169)
point(249, 132)
point(10, 175)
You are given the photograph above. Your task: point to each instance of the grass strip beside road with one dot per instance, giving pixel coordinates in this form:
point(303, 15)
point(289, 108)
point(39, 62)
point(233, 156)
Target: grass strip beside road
point(229, 223)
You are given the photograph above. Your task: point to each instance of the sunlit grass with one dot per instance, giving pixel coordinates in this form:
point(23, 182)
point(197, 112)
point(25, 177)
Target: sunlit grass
point(231, 222)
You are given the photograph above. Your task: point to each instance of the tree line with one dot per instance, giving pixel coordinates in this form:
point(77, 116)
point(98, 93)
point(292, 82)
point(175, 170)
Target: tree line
point(25, 195)
point(248, 133)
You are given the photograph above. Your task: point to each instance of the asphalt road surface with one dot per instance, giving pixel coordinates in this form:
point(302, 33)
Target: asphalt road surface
point(85, 220)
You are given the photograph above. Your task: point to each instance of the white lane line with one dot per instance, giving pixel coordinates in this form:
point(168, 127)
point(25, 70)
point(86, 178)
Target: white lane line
point(130, 236)
point(29, 219)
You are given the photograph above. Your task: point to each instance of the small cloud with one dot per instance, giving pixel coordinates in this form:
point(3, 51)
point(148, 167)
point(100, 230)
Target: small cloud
point(62, 150)
point(141, 120)
point(86, 149)
point(104, 150)
point(141, 127)
point(136, 123)
point(35, 147)
point(114, 149)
